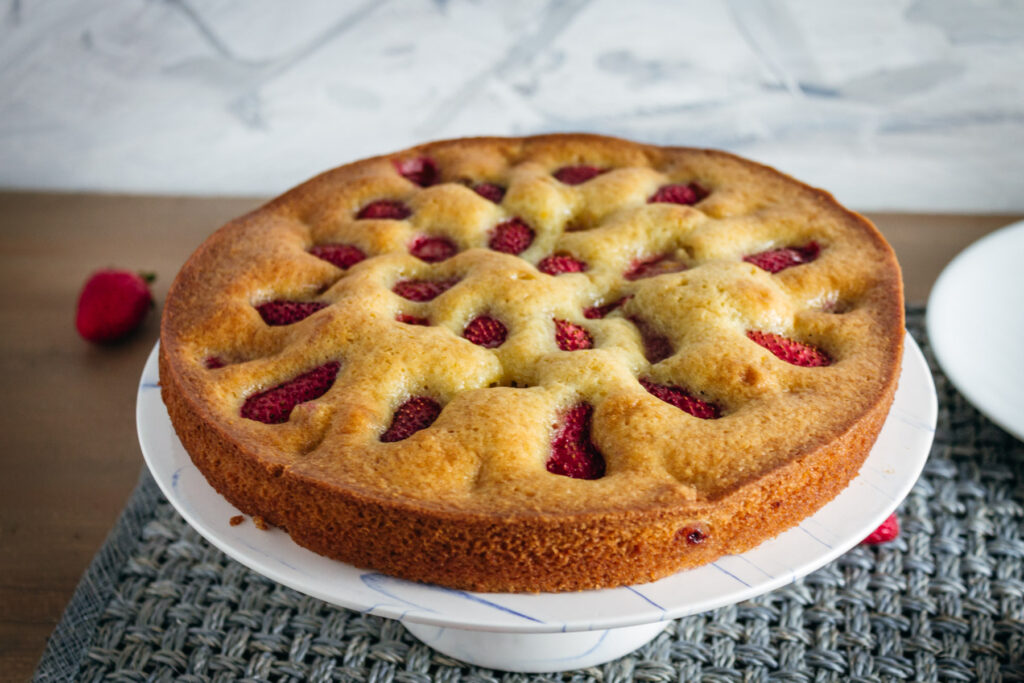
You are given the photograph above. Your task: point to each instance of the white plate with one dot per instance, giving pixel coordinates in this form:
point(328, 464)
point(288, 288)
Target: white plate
point(976, 325)
point(887, 476)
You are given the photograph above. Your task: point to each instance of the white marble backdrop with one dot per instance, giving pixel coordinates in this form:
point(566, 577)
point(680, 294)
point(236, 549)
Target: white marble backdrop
point(891, 104)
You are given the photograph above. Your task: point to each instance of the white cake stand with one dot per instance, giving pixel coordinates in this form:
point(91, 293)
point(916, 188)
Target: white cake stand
point(556, 631)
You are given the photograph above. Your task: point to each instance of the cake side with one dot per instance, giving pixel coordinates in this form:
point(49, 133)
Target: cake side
point(529, 553)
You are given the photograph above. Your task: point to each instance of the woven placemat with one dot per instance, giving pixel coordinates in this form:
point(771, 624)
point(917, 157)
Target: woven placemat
point(944, 602)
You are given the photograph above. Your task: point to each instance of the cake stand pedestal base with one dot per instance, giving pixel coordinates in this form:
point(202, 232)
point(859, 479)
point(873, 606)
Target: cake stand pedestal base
point(535, 652)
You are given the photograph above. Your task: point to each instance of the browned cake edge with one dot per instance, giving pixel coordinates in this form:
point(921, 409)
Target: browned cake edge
point(532, 551)
point(519, 553)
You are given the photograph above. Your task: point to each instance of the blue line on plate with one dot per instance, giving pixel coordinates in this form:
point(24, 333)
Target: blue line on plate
point(374, 582)
point(483, 601)
point(755, 566)
point(633, 590)
point(814, 537)
point(729, 573)
point(592, 647)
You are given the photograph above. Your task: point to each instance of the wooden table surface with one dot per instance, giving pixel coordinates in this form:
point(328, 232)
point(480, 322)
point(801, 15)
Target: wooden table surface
point(71, 457)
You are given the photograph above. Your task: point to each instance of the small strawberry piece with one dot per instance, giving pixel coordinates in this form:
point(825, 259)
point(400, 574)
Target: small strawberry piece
point(680, 398)
point(659, 265)
point(790, 350)
point(112, 304)
point(678, 194)
point(513, 236)
point(422, 170)
point(213, 362)
point(419, 412)
point(274, 406)
point(343, 256)
point(411, 319)
point(601, 311)
point(574, 175)
point(385, 208)
point(572, 337)
point(657, 346)
point(775, 260)
point(281, 312)
point(422, 290)
point(888, 531)
point(573, 454)
point(490, 191)
point(561, 263)
point(433, 249)
point(486, 332)
point(691, 536)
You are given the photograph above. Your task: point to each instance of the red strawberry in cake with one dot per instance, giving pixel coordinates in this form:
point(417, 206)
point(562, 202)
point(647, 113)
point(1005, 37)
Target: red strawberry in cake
point(790, 350)
point(274, 406)
point(419, 412)
point(490, 191)
point(281, 312)
point(776, 260)
point(573, 454)
point(572, 337)
point(511, 237)
point(485, 331)
point(574, 175)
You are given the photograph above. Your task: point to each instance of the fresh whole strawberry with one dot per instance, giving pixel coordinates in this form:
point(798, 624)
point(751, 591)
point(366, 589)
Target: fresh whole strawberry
point(887, 531)
point(113, 304)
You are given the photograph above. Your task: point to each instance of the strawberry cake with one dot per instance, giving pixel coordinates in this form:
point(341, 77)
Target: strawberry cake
point(535, 364)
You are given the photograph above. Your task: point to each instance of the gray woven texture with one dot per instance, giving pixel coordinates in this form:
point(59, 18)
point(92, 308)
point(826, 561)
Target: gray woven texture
point(943, 603)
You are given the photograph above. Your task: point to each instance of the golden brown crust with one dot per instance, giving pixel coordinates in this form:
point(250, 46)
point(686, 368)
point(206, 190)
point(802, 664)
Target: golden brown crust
point(469, 502)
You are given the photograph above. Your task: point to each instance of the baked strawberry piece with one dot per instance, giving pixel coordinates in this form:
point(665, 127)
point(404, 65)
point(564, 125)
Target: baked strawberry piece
point(343, 256)
point(652, 267)
point(556, 264)
point(571, 337)
point(422, 171)
point(490, 191)
point(594, 312)
point(790, 350)
point(385, 208)
point(687, 194)
point(776, 260)
point(433, 249)
point(419, 412)
point(423, 290)
point(682, 399)
point(275, 405)
point(412, 319)
point(485, 331)
point(513, 236)
point(280, 312)
point(574, 175)
point(573, 454)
